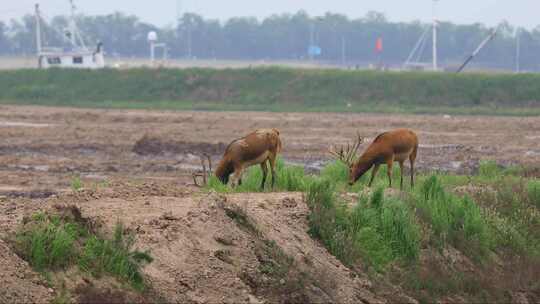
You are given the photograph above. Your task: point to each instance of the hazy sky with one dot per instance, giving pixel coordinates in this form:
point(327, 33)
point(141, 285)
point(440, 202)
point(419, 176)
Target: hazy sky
point(162, 12)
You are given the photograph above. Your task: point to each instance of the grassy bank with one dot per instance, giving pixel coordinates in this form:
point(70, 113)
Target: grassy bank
point(275, 89)
point(476, 237)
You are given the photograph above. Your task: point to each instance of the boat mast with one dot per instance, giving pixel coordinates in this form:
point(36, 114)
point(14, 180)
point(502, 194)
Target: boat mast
point(435, 35)
point(72, 25)
point(75, 36)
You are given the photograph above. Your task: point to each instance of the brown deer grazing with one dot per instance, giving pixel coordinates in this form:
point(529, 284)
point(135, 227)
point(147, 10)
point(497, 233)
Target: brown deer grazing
point(387, 148)
point(259, 147)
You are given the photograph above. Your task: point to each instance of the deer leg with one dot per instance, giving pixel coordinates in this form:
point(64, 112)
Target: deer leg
point(412, 172)
point(412, 159)
point(265, 173)
point(373, 173)
point(237, 177)
point(272, 160)
point(389, 164)
point(401, 171)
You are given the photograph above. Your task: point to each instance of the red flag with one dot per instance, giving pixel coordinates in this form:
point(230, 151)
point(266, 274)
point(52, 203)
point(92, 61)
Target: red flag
point(379, 45)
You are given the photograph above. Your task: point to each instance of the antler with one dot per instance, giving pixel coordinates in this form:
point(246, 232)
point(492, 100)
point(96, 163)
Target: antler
point(347, 155)
point(204, 174)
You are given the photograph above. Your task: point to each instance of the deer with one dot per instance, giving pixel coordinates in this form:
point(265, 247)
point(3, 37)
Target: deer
point(387, 148)
point(257, 148)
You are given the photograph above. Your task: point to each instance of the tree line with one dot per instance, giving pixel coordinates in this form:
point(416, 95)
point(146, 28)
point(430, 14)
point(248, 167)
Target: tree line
point(283, 37)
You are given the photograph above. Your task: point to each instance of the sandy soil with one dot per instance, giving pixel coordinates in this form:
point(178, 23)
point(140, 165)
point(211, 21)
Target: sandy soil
point(201, 254)
point(41, 149)
point(19, 283)
point(136, 167)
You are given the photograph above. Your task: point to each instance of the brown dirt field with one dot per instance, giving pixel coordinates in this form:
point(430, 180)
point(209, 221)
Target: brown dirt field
point(43, 148)
point(137, 168)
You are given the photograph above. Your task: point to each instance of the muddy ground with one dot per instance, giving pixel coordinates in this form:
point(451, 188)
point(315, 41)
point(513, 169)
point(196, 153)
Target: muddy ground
point(42, 149)
point(136, 168)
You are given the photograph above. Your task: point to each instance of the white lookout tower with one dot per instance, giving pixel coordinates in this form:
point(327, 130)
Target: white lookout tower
point(77, 55)
point(153, 40)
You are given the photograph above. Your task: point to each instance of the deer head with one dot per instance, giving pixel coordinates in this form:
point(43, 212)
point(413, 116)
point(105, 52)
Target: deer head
point(347, 154)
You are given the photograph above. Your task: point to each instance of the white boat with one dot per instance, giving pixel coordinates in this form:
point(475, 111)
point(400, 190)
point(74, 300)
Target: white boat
point(77, 55)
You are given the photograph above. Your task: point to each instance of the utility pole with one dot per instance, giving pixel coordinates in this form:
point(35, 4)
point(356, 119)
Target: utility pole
point(38, 31)
point(343, 50)
point(178, 13)
point(435, 63)
point(311, 41)
point(518, 50)
point(189, 42)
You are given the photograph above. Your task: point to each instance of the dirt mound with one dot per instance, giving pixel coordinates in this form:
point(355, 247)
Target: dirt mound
point(20, 284)
point(241, 248)
point(152, 145)
point(124, 190)
point(89, 294)
point(208, 248)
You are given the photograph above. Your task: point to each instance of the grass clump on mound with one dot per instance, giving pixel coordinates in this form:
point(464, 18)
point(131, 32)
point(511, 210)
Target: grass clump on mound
point(115, 256)
point(514, 211)
point(378, 229)
point(392, 220)
point(55, 242)
point(329, 221)
point(458, 221)
point(47, 242)
point(533, 189)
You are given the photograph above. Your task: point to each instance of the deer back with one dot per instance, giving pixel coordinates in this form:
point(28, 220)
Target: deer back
point(254, 145)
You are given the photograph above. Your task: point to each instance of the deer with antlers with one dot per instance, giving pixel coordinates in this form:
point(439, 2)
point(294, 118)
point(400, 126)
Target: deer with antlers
point(387, 148)
point(259, 147)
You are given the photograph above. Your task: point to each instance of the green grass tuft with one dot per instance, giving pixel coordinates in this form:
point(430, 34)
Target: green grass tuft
point(489, 169)
point(48, 243)
point(51, 242)
point(76, 184)
point(379, 230)
point(533, 189)
point(115, 256)
point(454, 220)
point(395, 223)
point(329, 222)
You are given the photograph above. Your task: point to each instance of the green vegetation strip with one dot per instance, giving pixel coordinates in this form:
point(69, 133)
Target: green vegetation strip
point(500, 214)
point(52, 242)
point(275, 89)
